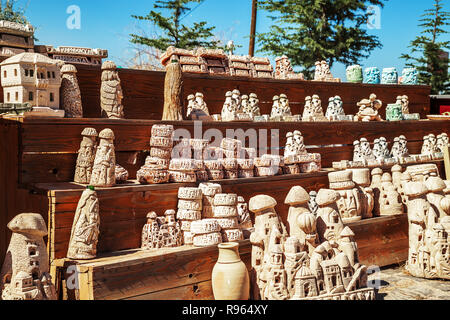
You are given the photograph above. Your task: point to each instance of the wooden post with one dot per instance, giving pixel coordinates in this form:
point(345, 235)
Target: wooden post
point(251, 50)
point(447, 162)
point(173, 89)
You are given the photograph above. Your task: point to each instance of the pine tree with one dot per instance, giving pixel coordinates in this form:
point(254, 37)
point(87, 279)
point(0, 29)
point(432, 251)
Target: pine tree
point(427, 53)
point(175, 33)
point(9, 12)
point(312, 30)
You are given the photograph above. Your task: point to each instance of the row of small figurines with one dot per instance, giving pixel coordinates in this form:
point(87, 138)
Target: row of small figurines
point(246, 108)
point(364, 156)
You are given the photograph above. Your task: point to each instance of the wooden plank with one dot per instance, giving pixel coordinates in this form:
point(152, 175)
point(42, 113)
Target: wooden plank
point(133, 273)
point(64, 136)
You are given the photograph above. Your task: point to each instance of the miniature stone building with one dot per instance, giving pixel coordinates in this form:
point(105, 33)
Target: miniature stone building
point(15, 38)
point(77, 55)
point(32, 78)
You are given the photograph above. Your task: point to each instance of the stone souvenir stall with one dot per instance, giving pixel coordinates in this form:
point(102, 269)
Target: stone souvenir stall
point(39, 159)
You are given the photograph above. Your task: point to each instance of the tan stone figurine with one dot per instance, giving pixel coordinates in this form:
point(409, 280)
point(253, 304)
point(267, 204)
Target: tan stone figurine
point(85, 228)
point(25, 272)
point(70, 92)
point(111, 94)
point(86, 156)
point(104, 171)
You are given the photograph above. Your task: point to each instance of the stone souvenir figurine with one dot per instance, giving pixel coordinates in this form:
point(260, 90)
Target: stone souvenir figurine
point(268, 230)
point(369, 109)
point(323, 73)
point(111, 94)
point(361, 177)
point(302, 223)
point(372, 75)
point(284, 105)
point(313, 109)
point(400, 148)
point(313, 206)
point(197, 105)
point(366, 152)
point(429, 227)
point(354, 74)
point(442, 142)
point(25, 272)
point(394, 112)
point(335, 108)
point(103, 172)
point(230, 108)
point(429, 145)
point(389, 76)
point(380, 149)
point(85, 227)
point(276, 108)
point(253, 106)
point(349, 204)
point(161, 232)
point(410, 76)
point(86, 156)
point(70, 92)
point(390, 201)
point(404, 102)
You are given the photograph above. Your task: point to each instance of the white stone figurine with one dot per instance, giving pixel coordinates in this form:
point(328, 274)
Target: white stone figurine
point(85, 227)
point(104, 171)
point(25, 272)
point(196, 103)
point(230, 108)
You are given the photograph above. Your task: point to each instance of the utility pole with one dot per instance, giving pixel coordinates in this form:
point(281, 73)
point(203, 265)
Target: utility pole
point(251, 49)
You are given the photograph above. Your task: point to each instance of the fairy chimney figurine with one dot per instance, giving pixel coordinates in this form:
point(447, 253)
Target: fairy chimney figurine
point(104, 171)
point(85, 227)
point(111, 94)
point(25, 272)
point(70, 92)
point(86, 156)
point(369, 109)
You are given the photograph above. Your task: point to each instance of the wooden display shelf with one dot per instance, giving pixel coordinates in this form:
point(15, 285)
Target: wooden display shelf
point(184, 273)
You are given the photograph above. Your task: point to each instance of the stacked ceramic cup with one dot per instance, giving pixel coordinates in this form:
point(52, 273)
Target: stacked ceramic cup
point(213, 163)
point(206, 233)
point(189, 210)
point(155, 169)
point(209, 190)
point(198, 147)
point(226, 214)
point(269, 165)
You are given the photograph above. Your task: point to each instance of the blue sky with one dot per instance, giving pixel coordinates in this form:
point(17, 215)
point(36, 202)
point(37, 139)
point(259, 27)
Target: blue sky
point(106, 24)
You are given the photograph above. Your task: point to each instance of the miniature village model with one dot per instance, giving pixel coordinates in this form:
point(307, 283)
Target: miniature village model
point(227, 177)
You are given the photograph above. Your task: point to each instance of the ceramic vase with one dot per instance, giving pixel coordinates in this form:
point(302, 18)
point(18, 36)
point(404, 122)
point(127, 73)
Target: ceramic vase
point(230, 279)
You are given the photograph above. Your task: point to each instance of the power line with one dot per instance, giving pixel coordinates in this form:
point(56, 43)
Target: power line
point(191, 11)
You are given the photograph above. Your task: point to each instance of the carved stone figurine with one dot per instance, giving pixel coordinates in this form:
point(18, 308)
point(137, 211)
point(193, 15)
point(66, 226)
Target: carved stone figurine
point(230, 108)
point(380, 149)
point(335, 108)
point(86, 156)
point(442, 142)
point(85, 227)
point(253, 106)
point(161, 232)
point(197, 104)
point(429, 145)
point(70, 92)
point(404, 102)
point(104, 171)
point(400, 148)
point(349, 204)
point(391, 203)
point(111, 94)
point(313, 109)
point(429, 227)
point(25, 272)
point(369, 109)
